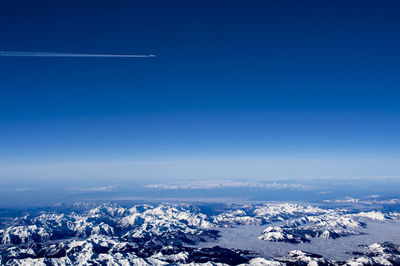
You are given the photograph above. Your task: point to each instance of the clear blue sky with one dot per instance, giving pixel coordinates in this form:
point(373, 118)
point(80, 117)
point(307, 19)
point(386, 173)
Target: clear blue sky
point(299, 83)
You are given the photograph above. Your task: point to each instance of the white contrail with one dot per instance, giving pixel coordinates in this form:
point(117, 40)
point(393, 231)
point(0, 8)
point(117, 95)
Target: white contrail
point(47, 54)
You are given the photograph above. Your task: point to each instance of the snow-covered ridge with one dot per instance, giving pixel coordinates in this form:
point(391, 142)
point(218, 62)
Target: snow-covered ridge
point(330, 224)
point(160, 234)
point(106, 219)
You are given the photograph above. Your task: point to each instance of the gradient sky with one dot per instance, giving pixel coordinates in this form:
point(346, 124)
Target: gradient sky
point(238, 89)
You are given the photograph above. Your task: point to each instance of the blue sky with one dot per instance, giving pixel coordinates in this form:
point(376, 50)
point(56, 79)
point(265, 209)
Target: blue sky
point(284, 88)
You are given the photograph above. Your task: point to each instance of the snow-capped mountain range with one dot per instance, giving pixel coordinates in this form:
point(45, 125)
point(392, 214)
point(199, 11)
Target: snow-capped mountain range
point(158, 234)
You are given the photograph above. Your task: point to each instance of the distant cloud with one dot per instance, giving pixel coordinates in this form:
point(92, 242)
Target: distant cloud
point(23, 189)
point(368, 200)
point(95, 189)
point(226, 184)
point(102, 189)
point(346, 200)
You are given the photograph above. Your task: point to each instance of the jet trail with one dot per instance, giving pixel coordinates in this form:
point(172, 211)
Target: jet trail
point(47, 54)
